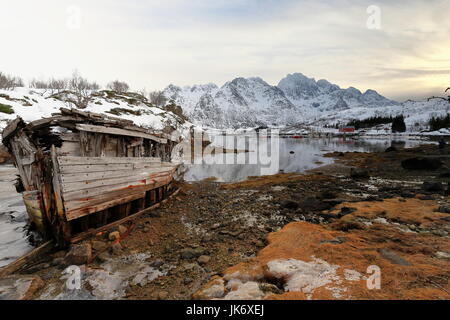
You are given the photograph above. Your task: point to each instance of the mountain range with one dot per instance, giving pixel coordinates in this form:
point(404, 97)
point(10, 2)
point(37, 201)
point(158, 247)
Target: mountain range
point(297, 99)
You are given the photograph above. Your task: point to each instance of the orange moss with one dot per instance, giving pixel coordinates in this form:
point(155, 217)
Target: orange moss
point(252, 182)
point(426, 277)
point(410, 211)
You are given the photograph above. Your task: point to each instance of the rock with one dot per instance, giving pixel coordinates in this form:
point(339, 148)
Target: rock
point(163, 295)
point(259, 243)
point(426, 197)
point(79, 254)
point(430, 186)
point(327, 195)
point(442, 255)
point(214, 289)
point(189, 253)
point(98, 245)
point(270, 288)
point(59, 254)
point(334, 202)
point(406, 194)
point(345, 211)
point(215, 226)
point(393, 257)
point(157, 263)
point(207, 238)
point(289, 204)
point(313, 204)
point(103, 257)
point(114, 236)
point(19, 287)
point(332, 241)
point(359, 174)
point(440, 233)
point(190, 266)
point(391, 149)
point(122, 229)
point(421, 164)
point(116, 248)
point(58, 261)
point(444, 209)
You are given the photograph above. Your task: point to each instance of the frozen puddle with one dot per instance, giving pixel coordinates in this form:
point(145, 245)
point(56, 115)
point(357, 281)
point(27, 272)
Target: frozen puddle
point(13, 218)
point(109, 281)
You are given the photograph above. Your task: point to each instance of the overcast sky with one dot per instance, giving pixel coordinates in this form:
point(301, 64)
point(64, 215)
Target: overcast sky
point(151, 44)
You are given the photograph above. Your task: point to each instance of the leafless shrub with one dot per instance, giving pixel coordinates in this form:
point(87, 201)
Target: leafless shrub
point(8, 82)
point(118, 86)
point(157, 98)
point(82, 89)
point(53, 85)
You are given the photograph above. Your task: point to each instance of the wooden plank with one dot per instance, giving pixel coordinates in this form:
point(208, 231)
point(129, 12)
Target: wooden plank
point(67, 160)
point(63, 228)
point(11, 128)
point(16, 265)
point(126, 186)
point(70, 136)
point(69, 148)
point(65, 169)
point(89, 233)
point(86, 210)
point(89, 176)
point(118, 131)
point(103, 168)
point(100, 200)
point(84, 144)
point(131, 177)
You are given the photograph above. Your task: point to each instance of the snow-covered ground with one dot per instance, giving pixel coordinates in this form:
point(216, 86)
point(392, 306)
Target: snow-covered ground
point(33, 104)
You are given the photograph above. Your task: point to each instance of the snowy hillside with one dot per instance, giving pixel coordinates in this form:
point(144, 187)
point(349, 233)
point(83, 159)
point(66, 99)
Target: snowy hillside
point(296, 99)
point(32, 104)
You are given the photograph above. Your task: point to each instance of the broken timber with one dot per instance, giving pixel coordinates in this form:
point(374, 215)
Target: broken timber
point(81, 171)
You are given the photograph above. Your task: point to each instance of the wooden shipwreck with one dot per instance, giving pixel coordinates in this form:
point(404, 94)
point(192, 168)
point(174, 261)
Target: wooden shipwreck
point(80, 171)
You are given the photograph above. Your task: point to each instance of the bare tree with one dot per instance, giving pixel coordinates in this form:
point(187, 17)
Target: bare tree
point(157, 98)
point(82, 89)
point(58, 85)
point(118, 86)
point(54, 85)
point(8, 82)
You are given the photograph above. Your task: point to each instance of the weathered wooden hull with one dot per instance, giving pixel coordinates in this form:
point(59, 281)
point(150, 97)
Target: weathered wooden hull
point(92, 171)
point(95, 191)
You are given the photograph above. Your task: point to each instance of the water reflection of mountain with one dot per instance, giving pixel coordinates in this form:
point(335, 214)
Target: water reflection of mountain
point(307, 154)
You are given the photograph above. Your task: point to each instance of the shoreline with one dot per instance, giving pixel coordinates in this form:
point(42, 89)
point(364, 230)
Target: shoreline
point(210, 230)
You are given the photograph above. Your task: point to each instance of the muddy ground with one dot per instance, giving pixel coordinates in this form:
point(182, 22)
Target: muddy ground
point(210, 230)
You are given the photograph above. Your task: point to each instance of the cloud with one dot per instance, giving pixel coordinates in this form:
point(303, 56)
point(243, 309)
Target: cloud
point(154, 43)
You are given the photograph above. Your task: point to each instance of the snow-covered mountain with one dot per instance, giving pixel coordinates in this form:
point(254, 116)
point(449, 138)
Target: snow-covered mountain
point(250, 102)
point(238, 103)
